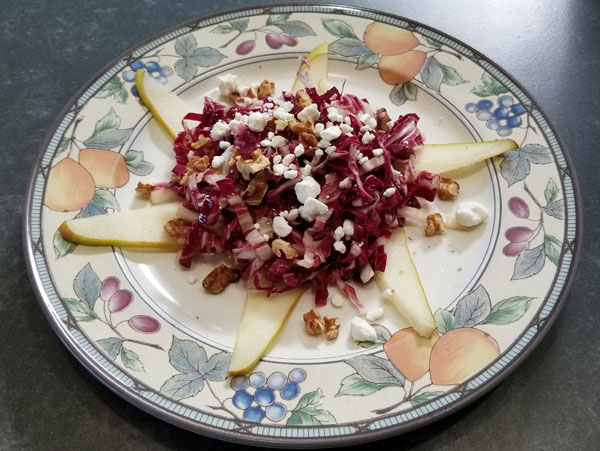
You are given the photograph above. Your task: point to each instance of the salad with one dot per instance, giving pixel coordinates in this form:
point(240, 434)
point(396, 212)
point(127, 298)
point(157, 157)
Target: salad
point(299, 188)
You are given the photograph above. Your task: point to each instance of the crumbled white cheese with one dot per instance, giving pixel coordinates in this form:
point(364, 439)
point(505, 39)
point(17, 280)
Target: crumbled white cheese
point(256, 225)
point(279, 169)
point(311, 112)
point(312, 208)
point(470, 214)
point(348, 227)
point(346, 183)
point(329, 150)
point(244, 90)
point(363, 160)
point(220, 130)
point(306, 170)
point(257, 121)
point(223, 145)
point(374, 314)
point(338, 233)
point(387, 293)
point(278, 141)
point(367, 138)
point(265, 143)
point(299, 150)
point(364, 117)
point(281, 227)
point(362, 330)
point(331, 133)
point(270, 135)
point(336, 300)
point(292, 166)
point(371, 122)
point(266, 237)
point(377, 152)
point(290, 174)
point(334, 115)
point(345, 128)
point(328, 124)
point(293, 214)
point(228, 83)
point(319, 153)
point(365, 128)
point(323, 144)
point(389, 192)
point(280, 113)
point(347, 120)
point(284, 214)
point(219, 161)
point(307, 188)
point(395, 173)
point(277, 159)
point(288, 159)
point(319, 127)
point(268, 105)
point(287, 106)
point(192, 280)
point(339, 246)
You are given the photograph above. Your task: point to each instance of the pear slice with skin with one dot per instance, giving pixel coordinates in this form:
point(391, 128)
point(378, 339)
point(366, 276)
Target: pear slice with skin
point(440, 158)
point(164, 105)
point(139, 228)
point(317, 72)
point(262, 321)
point(402, 278)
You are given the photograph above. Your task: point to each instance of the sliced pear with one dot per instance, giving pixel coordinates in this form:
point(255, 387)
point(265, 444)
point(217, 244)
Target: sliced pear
point(402, 279)
point(317, 59)
point(143, 227)
point(440, 158)
point(163, 196)
point(262, 321)
point(165, 106)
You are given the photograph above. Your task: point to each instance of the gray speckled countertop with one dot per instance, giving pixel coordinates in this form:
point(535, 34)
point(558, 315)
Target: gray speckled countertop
point(50, 49)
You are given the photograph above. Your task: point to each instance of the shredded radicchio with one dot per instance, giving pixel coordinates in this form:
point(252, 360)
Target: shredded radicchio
point(365, 175)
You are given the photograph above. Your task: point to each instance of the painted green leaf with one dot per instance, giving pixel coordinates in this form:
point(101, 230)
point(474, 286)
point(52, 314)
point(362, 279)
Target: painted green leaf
point(91, 209)
point(296, 28)
point(114, 88)
point(424, 397)
point(551, 191)
point(490, 87)
point(106, 199)
point(62, 146)
point(111, 345)
point(206, 57)
point(183, 385)
point(410, 91)
point(508, 310)
point(110, 121)
point(433, 42)
point(307, 412)
point(185, 68)
point(432, 73)
point(451, 77)
point(339, 28)
point(222, 29)
point(62, 247)
point(444, 320)
point(383, 335)
point(134, 156)
point(87, 285)
point(356, 385)
point(109, 138)
point(80, 310)
point(142, 168)
point(185, 45)
point(529, 263)
point(472, 308)
point(239, 24)
point(131, 360)
point(348, 47)
point(366, 60)
point(397, 95)
point(376, 369)
point(552, 248)
point(278, 19)
point(556, 209)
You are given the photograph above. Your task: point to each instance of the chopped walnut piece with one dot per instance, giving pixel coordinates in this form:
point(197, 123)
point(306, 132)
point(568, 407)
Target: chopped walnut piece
point(252, 166)
point(257, 188)
point(448, 188)
point(298, 127)
point(382, 121)
point(332, 327)
point(197, 164)
point(234, 155)
point(313, 323)
point(144, 189)
point(303, 99)
point(266, 89)
point(435, 224)
point(177, 228)
point(282, 247)
point(200, 143)
point(308, 140)
point(218, 279)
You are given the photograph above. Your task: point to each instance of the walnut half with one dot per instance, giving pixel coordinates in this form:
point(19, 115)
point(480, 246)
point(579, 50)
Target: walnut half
point(218, 279)
point(313, 323)
point(332, 327)
point(447, 188)
point(281, 247)
point(435, 224)
point(257, 188)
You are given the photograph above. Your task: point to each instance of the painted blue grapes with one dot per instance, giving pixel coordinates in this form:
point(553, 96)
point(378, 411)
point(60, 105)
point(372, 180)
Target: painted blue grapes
point(256, 394)
point(502, 118)
point(159, 72)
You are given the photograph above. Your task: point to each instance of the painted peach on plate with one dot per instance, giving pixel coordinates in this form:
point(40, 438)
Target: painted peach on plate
point(409, 352)
point(396, 69)
point(70, 186)
point(460, 354)
point(108, 168)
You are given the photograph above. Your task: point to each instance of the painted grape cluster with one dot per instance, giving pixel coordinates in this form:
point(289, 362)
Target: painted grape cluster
point(503, 118)
point(273, 40)
point(256, 394)
point(159, 72)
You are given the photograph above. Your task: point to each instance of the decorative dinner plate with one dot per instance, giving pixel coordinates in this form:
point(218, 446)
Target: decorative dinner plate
point(139, 323)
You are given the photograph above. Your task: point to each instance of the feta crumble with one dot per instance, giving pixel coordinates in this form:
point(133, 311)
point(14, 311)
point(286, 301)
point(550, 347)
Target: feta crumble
point(470, 214)
point(307, 188)
point(360, 330)
point(281, 227)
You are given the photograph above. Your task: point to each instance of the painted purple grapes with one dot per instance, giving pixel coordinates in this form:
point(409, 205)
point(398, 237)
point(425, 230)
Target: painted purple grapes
point(512, 249)
point(119, 300)
point(145, 324)
point(109, 286)
point(288, 40)
point(518, 207)
point(274, 40)
point(518, 234)
point(245, 47)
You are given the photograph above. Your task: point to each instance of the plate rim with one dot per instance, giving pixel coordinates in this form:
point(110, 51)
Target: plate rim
point(98, 372)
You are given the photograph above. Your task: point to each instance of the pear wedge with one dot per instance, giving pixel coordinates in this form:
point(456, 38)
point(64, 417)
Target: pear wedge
point(165, 106)
point(317, 59)
point(440, 158)
point(402, 279)
point(143, 227)
point(262, 321)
